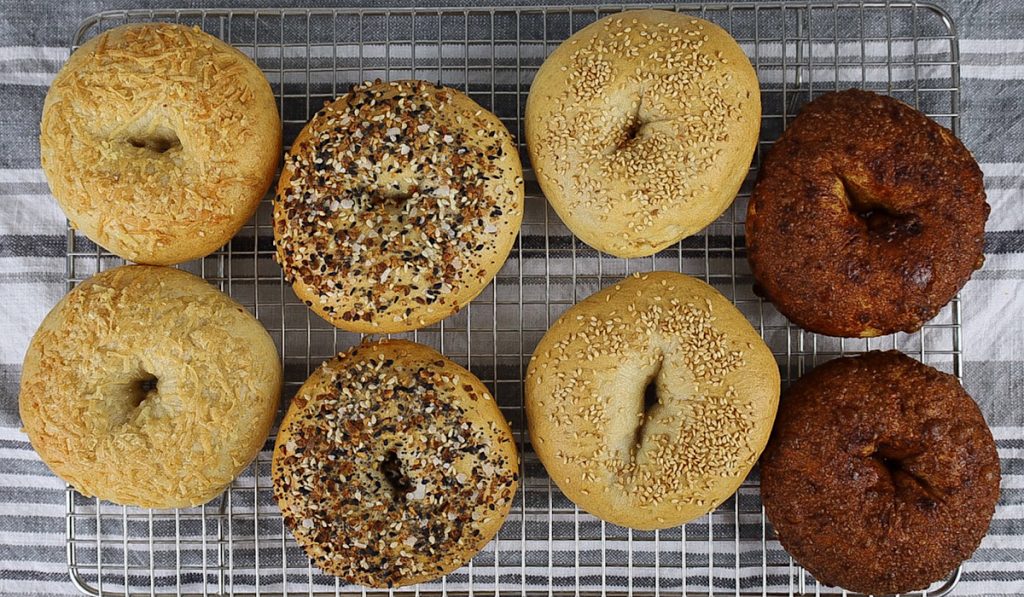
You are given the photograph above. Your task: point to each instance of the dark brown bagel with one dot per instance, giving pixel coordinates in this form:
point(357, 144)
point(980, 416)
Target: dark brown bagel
point(881, 475)
point(867, 217)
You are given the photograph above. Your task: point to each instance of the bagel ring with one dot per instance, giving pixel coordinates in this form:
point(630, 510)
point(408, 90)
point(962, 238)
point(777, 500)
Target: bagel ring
point(881, 475)
point(641, 128)
point(650, 401)
point(394, 465)
point(867, 217)
point(398, 204)
point(159, 141)
point(147, 386)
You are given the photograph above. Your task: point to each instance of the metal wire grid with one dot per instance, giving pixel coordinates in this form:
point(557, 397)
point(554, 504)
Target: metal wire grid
point(238, 544)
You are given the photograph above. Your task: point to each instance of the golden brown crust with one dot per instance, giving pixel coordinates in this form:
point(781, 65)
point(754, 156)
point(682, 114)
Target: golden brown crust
point(881, 475)
point(717, 387)
point(867, 217)
point(398, 204)
point(393, 465)
point(159, 141)
point(641, 128)
point(146, 386)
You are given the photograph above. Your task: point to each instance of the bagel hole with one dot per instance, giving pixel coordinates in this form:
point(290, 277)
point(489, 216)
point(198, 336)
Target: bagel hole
point(143, 388)
point(875, 216)
point(650, 401)
point(891, 464)
point(629, 133)
point(160, 141)
point(391, 468)
point(895, 466)
point(650, 397)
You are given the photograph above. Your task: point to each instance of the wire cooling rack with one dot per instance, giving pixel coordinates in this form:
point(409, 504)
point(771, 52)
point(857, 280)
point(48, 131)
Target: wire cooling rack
point(237, 544)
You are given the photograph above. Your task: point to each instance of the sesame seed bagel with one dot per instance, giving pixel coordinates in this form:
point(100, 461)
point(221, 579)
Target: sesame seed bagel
point(867, 217)
point(881, 475)
point(393, 465)
point(650, 401)
point(398, 204)
point(146, 386)
point(159, 141)
point(641, 128)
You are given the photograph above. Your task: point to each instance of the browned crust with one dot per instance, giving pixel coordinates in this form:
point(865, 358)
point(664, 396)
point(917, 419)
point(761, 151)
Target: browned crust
point(209, 125)
point(881, 475)
point(218, 381)
point(450, 439)
point(918, 236)
point(338, 241)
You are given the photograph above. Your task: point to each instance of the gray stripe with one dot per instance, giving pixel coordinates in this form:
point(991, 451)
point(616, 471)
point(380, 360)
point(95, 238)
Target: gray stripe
point(32, 495)
point(32, 278)
point(10, 376)
point(26, 188)
point(21, 466)
point(997, 387)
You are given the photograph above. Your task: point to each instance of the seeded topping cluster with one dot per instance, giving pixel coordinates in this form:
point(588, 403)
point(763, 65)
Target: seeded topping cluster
point(396, 195)
point(384, 476)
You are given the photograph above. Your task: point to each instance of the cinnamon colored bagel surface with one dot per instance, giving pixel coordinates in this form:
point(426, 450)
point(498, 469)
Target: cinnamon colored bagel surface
point(881, 475)
point(867, 217)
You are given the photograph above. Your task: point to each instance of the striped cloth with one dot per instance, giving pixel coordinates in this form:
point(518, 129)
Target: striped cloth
point(33, 46)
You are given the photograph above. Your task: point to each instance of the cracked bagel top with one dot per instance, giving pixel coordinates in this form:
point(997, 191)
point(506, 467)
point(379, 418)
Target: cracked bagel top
point(649, 402)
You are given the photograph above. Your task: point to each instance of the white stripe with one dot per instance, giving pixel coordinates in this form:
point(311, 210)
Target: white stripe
point(1003, 168)
point(992, 169)
point(990, 587)
point(1011, 453)
point(31, 481)
point(823, 75)
point(1007, 214)
point(1007, 432)
point(12, 433)
point(26, 453)
point(967, 46)
point(1010, 512)
point(991, 46)
point(31, 214)
point(34, 509)
point(34, 538)
point(998, 72)
point(1012, 481)
point(22, 175)
point(45, 265)
point(28, 52)
point(1001, 541)
point(36, 79)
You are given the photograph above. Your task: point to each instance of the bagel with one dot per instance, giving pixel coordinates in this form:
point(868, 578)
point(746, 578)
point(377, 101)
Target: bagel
point(649, 401)
point(881, 475)
point(398, 204)
point(866, 219)
point(159, 141)
point(393, 465)
point(146, 386)
point(641, 128)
